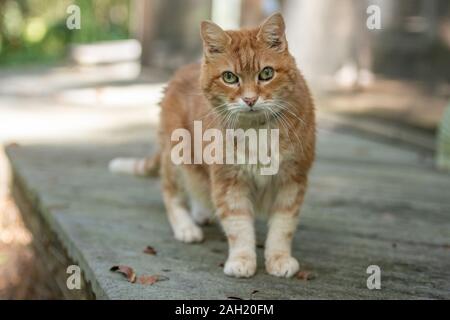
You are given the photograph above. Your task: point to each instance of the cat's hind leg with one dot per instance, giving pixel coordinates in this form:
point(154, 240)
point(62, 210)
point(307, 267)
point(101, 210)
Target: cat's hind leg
point(202, 209)
point(200, 212)
point(175, 199)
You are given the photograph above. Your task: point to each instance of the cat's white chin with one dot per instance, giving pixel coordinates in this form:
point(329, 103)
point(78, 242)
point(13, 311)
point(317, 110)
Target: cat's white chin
point(251, 113)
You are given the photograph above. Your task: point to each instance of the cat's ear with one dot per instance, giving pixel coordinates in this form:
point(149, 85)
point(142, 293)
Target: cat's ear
point(215, 40)
point(272, 32)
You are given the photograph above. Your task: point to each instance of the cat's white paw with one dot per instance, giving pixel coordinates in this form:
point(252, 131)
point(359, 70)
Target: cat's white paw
point(189, 233)
point(282, 266)
point(240, 266)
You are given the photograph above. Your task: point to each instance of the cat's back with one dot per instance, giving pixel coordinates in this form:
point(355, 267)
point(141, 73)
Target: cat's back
point(183, 91)
point(183, 100)
point(185, 83)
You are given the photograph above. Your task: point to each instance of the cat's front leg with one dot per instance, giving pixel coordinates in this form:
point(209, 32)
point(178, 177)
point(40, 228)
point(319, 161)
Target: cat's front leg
point(240, 232)
point(282, 226)
point(235, 212)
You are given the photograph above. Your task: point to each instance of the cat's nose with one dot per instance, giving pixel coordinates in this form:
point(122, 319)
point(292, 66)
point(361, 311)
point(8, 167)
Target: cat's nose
point(250, 101)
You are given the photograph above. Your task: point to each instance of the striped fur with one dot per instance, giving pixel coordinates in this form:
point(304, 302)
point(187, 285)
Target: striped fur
point(235, 194)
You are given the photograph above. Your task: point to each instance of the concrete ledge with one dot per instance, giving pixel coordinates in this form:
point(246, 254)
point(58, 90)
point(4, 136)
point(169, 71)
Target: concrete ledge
point(48, 246)
point(368, 203)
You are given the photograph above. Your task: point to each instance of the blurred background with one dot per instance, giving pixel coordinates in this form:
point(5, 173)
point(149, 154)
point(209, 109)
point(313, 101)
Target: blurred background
point(393, 81)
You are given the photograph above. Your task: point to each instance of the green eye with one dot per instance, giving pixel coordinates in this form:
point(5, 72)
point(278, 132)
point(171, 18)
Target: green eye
point(266, 74)
point(230, 77)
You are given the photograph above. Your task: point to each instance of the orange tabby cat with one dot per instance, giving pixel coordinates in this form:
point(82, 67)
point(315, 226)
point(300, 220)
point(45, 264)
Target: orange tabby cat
point(247, 79)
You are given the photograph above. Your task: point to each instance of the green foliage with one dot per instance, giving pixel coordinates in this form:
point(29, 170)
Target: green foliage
point(35, 31)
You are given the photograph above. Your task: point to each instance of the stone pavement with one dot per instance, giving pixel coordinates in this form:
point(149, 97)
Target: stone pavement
point(369, 203)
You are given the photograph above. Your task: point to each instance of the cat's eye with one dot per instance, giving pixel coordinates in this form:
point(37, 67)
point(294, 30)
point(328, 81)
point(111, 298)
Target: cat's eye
point(229, 77)
point(266, 74)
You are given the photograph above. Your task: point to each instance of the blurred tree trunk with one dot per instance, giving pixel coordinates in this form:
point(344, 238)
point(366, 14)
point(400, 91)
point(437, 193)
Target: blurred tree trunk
point(255, 11)
point(142, 25)
point(227, 14)
point(169, 30)
point(324, 35)
point(252, 13)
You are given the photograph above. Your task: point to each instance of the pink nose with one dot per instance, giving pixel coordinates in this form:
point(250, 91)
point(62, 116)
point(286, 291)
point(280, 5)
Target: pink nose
point(250, 101)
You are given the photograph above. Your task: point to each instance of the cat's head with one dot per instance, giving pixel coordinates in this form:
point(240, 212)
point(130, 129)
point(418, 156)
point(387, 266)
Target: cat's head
point(247, 71)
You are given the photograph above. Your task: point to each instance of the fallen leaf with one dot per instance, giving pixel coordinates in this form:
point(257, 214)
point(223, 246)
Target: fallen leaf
point(149, 280)
point(305, 275)
point(128, 272)
point(253, 294)
point(150, 250)
point(234, 298)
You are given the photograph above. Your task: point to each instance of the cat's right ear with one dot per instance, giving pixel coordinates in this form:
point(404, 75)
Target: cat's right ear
point(215, 40)
point(272, 32)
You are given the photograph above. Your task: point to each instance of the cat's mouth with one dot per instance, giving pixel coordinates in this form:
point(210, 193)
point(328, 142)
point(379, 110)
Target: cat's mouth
point(251, 112)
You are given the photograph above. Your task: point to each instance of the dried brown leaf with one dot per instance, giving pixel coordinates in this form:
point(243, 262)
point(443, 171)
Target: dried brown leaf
point(150, 250)
point(305, 275)
point(128, 272)
point(149, 280)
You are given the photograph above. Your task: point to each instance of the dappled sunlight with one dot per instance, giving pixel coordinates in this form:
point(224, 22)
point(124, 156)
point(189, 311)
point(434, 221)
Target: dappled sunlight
point(108, 96)
point(74, 124)
point(106, 52)
point(78, 105)
point(41, 82)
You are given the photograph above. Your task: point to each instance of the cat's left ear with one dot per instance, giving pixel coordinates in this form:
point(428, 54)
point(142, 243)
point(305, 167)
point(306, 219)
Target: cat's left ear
point(215, 40)
point(272, 32)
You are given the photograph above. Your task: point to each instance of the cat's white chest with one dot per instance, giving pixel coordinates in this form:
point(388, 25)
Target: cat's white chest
point(263, 188)
point(253, 174)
